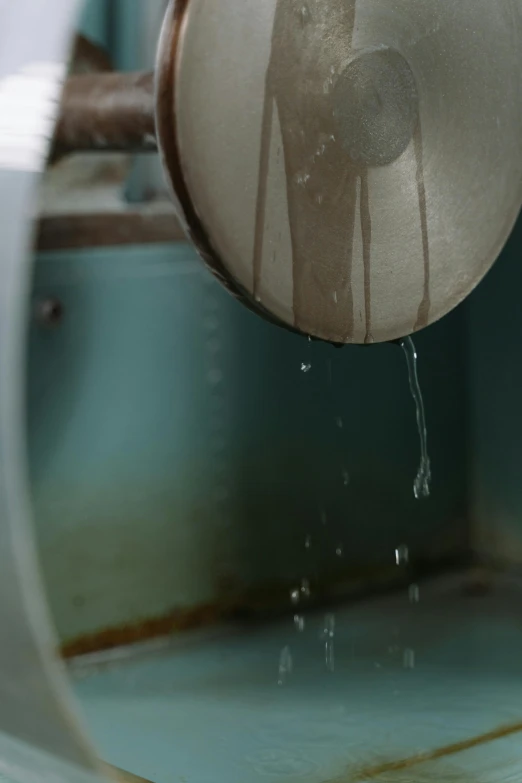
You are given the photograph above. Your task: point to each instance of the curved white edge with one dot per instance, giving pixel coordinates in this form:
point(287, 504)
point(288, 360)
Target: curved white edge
point(41, 737)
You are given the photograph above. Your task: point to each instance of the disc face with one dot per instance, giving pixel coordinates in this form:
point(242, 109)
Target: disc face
point(353, 168)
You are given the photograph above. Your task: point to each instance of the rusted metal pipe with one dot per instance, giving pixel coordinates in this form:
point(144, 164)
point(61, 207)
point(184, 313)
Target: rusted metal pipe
point(110, 112)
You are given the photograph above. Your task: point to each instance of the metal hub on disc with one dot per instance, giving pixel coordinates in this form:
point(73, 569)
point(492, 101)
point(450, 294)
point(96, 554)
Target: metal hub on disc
point(350, 169)
point(376, 106)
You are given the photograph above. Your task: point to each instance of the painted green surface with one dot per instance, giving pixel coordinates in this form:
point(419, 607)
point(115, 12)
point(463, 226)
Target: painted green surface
point(407, 680)
point(495, 370)
point(94, 21)
point(178, 452)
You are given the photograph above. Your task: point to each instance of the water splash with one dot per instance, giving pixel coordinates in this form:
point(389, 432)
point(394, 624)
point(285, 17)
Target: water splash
point(295, 595)
point(305, 367)
point(421, 485)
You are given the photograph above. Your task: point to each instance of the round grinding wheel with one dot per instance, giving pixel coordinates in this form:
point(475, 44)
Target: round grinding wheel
point(350, 168)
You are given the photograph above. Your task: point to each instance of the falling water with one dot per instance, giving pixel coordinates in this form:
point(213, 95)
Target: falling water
point(408, 658)
point(328, 638)
point(285, 665)
point(421, 485)
point(414, 594)
point(402, 555)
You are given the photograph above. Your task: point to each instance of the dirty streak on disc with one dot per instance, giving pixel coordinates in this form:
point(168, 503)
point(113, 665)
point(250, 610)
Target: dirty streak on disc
point(350, 169)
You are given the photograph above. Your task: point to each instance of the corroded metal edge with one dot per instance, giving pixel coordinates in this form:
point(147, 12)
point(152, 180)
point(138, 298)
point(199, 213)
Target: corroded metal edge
point(263, 604)
point(136, 225)
point(168, 144)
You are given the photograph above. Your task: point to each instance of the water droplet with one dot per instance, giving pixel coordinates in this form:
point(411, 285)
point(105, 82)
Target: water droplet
point(258, 298)
point(414, 594)
point(324, 518)
point(340, 551)
point(299, 622)
point(408, 660)
point(329, 655)
point(295, 595)
point(285, 665)
point(402, 555)
point(319, 199)
point(346, 477)
point(335, 297)
point(305, 588)
point(421, 485)
point(328, 636)
point(308, 542)
point(328, 631)
point(305, 367)
point(332, 69)
point(339, 422)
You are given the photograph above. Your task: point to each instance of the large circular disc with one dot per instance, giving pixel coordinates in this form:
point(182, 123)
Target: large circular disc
point(351, 168)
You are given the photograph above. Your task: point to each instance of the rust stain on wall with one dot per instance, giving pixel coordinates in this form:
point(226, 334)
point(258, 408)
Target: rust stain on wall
point(177, 621)
point(262, 603)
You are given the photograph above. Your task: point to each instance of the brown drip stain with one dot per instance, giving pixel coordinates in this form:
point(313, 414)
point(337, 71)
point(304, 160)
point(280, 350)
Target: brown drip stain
point(366, 230)
point(310, 43)
point(264, 160)
point(424, 308)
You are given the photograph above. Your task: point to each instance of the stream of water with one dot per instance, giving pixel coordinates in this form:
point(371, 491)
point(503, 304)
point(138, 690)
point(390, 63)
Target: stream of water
point(422, 483)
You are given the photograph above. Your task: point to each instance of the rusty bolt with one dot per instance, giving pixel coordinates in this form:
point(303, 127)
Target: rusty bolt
point(49, 312)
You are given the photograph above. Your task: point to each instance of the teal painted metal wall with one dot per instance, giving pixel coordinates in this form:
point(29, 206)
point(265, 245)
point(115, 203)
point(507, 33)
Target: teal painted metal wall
point(495, 337)
point(180, 455)
point(95, 21)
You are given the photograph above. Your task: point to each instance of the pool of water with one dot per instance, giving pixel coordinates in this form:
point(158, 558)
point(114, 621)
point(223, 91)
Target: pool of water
point(422, 685)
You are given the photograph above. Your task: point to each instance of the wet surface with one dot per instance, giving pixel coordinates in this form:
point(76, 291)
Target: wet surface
point(315, 72)
point(211, 710)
